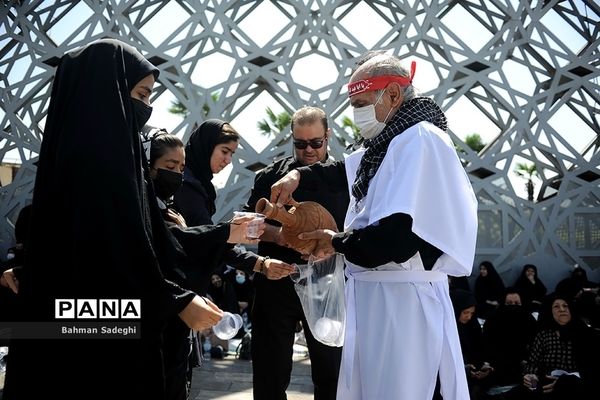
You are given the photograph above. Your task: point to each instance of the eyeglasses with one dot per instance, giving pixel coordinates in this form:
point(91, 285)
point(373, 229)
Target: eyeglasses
point(314, 143)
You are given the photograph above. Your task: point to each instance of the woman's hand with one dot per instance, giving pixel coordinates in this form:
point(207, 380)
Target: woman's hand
point(176, 217)
point(238, 230)
point(276, 269)
point(9, 280)
point(201, 313)
point(530, 381)
point(548, 388)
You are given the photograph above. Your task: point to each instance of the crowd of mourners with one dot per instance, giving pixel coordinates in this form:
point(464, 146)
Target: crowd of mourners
point(527, 342)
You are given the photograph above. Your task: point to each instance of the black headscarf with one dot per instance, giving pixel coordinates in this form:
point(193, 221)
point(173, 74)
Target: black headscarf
point(198, 151)
point(584, 340)
point(490, 287)
point(90, 180)
point(546, 319)
point(469, 333)
point(461, 300)
point(94, 232)
point(22, 224)
point(530, 291)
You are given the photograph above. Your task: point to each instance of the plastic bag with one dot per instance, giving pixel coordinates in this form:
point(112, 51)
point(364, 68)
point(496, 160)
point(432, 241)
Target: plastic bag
point(320, 287)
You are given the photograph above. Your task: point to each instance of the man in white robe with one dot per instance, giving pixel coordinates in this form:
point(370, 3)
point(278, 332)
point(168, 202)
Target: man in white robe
point(412, 220)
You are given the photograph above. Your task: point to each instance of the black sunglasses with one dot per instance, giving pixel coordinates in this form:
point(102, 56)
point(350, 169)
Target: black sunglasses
point(314, 143)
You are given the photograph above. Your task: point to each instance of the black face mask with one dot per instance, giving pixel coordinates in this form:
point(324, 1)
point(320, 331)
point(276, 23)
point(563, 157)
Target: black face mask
point(142, 112)
point(513, 308)
point(167, 182)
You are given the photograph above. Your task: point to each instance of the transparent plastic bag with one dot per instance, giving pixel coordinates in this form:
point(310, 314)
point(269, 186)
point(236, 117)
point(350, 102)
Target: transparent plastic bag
point(320, 287)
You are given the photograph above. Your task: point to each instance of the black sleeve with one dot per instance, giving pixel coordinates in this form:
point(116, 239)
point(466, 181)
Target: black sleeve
point(178, 299)
point(241, 259)
point(192, 205)
point(261, 188)
point(392, 239)
point(18, 271)
point(334, 173)
point(199, 241)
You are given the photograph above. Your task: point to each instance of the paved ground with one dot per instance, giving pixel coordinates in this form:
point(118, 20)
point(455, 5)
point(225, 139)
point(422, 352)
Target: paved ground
point(231, 379)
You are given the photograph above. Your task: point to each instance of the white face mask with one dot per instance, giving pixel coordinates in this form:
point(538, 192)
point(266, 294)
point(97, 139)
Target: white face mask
point(366, 120)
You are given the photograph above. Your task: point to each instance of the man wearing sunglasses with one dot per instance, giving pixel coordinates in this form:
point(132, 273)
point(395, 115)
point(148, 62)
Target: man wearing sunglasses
point(277, 309)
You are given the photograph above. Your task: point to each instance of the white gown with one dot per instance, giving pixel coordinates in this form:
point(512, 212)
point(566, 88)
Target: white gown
point(400, 325)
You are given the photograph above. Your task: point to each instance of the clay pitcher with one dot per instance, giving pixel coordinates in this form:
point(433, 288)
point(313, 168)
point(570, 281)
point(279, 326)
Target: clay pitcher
point(306, 216)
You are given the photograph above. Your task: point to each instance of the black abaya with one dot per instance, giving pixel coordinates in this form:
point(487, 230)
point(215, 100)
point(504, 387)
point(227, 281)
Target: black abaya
point(95, 233)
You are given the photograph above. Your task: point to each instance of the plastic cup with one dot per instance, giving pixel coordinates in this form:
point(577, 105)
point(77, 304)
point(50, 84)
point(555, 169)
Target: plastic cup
point(534, 382)
point(253, 225)
point(300, 273)
point(228, 326)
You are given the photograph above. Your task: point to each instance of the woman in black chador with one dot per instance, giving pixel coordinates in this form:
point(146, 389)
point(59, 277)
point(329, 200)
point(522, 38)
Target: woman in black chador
point(96, 233)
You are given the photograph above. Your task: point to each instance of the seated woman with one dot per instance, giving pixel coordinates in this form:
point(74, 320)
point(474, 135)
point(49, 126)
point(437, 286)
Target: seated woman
point(489, 290)
point(471, 342)
point(531, 288)
point(563, 358)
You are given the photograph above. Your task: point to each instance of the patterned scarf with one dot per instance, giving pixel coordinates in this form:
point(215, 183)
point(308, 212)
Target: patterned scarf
point(411, 113)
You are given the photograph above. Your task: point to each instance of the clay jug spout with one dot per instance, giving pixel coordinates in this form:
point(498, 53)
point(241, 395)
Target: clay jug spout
point(271, 211)
point(264, 207)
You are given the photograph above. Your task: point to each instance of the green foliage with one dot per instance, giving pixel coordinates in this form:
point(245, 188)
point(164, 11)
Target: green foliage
point(274, 123)
point(178, 108)
point(527, 171)
point(475, 142)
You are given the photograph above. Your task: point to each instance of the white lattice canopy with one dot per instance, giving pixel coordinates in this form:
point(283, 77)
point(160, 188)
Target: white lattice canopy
point(521, 74)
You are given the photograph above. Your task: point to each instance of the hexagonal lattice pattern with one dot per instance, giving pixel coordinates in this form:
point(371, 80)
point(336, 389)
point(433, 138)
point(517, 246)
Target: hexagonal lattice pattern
point(523, 74)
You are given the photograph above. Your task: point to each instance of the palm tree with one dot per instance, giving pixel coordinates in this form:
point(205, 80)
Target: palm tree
point(475, 142)
point(277, 122)
point(527, 171)
point(178, 108)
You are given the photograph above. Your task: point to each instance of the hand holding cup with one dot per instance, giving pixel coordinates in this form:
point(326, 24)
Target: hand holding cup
point(246, 227)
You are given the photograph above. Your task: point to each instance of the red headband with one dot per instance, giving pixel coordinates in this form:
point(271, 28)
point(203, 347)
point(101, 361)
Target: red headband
point(380, 82)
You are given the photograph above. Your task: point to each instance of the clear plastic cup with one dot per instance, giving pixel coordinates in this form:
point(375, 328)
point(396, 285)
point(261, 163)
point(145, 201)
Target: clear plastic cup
point(301, 272)
point(228, 326)
point(252, 227)
point(296, 275)
point(534, 382)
